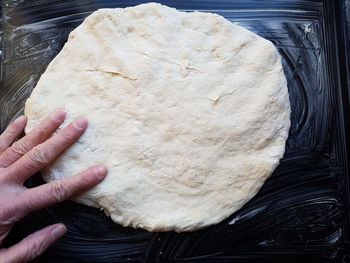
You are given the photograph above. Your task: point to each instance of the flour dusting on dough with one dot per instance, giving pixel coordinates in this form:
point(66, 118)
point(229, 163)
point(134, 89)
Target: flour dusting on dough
point(189, 112)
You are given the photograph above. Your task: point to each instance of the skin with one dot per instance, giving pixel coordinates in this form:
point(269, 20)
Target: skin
point(20, 159)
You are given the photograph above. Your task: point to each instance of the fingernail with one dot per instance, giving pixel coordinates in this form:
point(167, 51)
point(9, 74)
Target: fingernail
point(80, 123)
point(20, 119)
point(100, 171)
point(59, 115)
point(58, 231)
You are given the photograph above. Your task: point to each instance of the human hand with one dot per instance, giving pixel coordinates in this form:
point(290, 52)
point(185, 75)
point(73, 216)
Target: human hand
point(21, 159)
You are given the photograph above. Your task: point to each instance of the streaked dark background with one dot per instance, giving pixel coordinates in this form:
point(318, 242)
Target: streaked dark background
point(302, 212)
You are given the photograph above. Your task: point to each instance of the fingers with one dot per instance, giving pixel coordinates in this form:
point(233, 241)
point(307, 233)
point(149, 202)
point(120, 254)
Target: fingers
point(33, 138)
point(12, 132)
point(34, 245)
point(33, 199)
point(51, 193)
point(44, 153)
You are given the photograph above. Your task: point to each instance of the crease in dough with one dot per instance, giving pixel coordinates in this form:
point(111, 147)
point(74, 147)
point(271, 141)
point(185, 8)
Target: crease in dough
point(189, 112)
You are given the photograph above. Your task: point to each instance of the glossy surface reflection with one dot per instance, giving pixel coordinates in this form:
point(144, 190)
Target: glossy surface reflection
point(299, 214)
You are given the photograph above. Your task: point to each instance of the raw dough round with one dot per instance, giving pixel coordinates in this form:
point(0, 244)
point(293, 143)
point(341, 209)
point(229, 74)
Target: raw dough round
point(189, 112)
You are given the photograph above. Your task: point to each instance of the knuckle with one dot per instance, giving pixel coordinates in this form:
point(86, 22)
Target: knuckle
point(4, 214)
point(2, 145)
point(58, 191)
point(65, 135)
point(35, 249)
point(20, 147)
point(27, 206)
point(15, 126)
point(13, 129)
point(41, 132)
point(40, 155)
point(81, 181)
point(7, 215)
point(84, 179)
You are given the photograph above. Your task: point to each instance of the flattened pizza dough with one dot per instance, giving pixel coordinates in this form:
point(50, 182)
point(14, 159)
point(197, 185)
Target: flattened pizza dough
point(189, 112)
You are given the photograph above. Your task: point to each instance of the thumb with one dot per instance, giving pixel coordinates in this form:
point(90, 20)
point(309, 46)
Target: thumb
point(33, 245)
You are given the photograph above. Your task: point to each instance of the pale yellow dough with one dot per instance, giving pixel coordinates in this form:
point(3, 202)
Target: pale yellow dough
point(189, 112)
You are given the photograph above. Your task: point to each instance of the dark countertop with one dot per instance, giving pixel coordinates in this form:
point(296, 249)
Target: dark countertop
point(301, 214)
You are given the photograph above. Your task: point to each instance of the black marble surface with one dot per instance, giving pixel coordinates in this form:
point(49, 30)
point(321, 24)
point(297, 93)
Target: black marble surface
point(302, 211)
